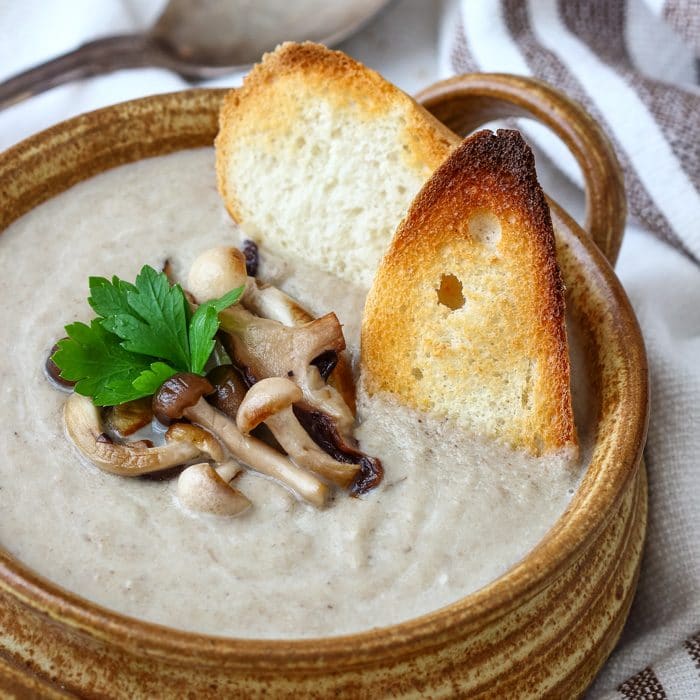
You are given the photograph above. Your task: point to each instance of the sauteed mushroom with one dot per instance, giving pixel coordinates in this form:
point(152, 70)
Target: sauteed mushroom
point(229, 389)
point(193, 434)
point(84, 425)
point(265, 399)
point(266, 348)
point(53, 372)
point(182, 396)
point(270, 401)
point(270, 302)
point(203, 489)
point(126, 418)
point(216, 272)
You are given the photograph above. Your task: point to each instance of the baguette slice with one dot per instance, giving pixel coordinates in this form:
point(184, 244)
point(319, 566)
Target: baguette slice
point(318, 158)
point(466, 314)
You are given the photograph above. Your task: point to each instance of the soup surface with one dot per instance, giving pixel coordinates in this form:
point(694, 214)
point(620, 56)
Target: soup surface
point(451, 515)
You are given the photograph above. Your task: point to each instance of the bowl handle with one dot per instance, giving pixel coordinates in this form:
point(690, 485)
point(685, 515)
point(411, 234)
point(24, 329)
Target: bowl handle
point(465, 102)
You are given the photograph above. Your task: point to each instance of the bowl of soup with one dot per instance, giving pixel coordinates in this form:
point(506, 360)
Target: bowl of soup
point(504, 578)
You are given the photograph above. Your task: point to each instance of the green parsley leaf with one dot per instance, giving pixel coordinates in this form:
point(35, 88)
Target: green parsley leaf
point(157, 322)
point(227, 300)
point(150, 379)
point(109, 298)
point(203, 327)
point(119, 389)
point(95, 359)
point(144, 334)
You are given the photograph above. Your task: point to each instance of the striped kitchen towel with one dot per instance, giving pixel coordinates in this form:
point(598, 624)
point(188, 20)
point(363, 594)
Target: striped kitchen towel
point(633, 64)
point(676, 676)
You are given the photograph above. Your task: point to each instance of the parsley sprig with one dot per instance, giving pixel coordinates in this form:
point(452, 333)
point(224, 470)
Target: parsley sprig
point(144, 333)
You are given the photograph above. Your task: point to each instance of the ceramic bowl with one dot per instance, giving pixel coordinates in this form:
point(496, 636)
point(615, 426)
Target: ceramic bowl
point(545, 627)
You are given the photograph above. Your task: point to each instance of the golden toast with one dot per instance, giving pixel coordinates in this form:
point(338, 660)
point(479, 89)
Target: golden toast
point(465, 317)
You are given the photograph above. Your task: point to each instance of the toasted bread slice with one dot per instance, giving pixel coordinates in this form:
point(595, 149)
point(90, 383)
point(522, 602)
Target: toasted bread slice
point(466, 314)
point(319, 158)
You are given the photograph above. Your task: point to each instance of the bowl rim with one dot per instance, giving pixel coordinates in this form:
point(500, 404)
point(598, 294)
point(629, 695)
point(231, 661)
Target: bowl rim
point(563, 542)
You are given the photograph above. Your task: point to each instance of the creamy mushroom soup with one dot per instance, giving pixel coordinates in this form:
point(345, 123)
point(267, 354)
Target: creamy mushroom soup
point(451, 515)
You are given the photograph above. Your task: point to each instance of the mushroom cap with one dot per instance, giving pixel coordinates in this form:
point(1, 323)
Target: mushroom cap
point(264, 399)
point(268, 348)
point(229, 389)
point(200, 438)
point(126, 418)
point(216, 272)
point(53, 371)
point(177, 394)
point(201, 489)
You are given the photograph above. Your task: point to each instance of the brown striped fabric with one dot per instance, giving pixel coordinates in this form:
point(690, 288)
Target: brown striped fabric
point(643, 686)
point(692, 646)
point(684, 17)
point(547, 66)
point(672, 108)
point(660, 150)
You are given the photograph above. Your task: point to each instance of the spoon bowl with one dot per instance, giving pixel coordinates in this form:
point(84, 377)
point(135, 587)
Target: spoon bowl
point(199, 41)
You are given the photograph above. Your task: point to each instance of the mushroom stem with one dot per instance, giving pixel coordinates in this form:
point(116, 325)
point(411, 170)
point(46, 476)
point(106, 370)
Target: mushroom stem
point(270, 401)
point(84, 426)
point(305, 452)
point(256, 454)
point(228, 470)
point(268, 301)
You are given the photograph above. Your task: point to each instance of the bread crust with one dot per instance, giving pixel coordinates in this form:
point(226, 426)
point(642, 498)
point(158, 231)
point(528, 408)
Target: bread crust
point(513, 302)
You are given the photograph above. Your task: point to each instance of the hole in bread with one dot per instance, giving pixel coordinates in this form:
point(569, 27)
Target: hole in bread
point(485, 228)
point(449, 292)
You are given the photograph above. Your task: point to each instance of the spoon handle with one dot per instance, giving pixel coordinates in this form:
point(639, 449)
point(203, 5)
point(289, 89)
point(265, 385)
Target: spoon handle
point(94, 58)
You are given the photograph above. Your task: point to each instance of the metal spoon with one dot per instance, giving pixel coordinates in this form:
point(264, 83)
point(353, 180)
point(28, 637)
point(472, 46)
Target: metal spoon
point(199, 40)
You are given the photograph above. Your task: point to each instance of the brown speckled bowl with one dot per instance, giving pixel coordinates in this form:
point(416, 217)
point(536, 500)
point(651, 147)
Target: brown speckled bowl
point(543, 628)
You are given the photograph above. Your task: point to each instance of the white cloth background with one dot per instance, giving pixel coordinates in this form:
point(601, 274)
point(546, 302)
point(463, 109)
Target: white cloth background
point(410, 44)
